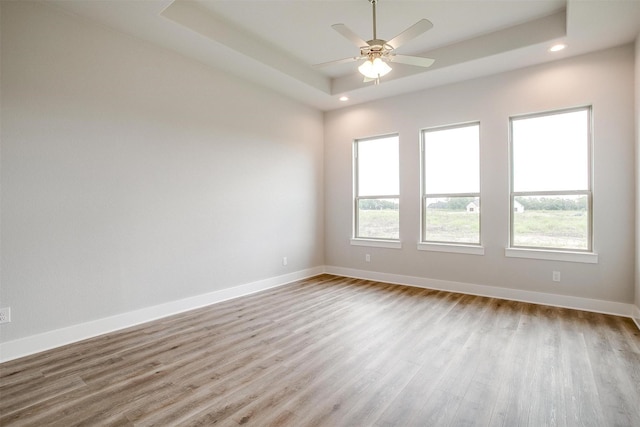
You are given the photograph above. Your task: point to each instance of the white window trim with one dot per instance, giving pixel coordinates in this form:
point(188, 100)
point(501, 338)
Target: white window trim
point(375, 243)
point(369, 241)
point(451, 248)
point(552, 255)
point(436, 246)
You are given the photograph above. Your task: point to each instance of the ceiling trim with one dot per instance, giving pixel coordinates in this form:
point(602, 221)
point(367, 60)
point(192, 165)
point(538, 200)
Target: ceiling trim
point(200, 20)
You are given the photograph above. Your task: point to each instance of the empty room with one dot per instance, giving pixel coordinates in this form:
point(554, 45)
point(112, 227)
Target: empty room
point(320, 213)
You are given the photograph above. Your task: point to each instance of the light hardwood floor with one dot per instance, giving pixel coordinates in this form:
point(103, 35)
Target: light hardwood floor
point(332, 351)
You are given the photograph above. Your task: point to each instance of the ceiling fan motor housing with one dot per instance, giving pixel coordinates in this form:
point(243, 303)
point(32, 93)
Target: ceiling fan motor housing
point(376, 47)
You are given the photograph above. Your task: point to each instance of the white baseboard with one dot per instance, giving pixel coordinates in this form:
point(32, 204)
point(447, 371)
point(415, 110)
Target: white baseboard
point(47, 340)
point(577, 303)
point(36, 343)
point(636, 315)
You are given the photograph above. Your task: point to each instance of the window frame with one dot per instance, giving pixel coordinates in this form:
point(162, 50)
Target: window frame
point(445, 246)
point(356, 239)
point(563, 254)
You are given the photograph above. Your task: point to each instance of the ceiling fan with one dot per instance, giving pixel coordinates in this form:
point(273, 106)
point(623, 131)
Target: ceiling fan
point(376, 52)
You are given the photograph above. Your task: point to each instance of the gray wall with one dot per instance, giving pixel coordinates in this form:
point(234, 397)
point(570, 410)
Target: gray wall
point(602, 79)
point(637, 257)
point(132, 176)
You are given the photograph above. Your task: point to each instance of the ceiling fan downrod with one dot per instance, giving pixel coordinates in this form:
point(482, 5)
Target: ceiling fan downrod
point(373, 4)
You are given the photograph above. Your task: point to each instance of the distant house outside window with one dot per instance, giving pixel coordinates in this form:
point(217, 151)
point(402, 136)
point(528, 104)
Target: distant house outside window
point(551, 199)
point(377, 188)
point(451, 184)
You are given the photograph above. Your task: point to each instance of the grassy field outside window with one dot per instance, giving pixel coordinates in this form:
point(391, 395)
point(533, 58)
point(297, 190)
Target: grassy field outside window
point(552, 222)
point(452, 226)
point(379, 223)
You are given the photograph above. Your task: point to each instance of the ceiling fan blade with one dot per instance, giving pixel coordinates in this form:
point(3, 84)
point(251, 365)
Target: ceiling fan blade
point(412, 32)
point(412, 60)
point(338, 61)
point(349, 35)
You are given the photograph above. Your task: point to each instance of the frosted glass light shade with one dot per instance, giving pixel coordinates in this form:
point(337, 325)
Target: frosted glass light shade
point(374, 69)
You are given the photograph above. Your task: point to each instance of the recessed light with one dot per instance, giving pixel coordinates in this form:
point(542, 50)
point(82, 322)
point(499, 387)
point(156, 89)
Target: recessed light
point(557, 47)
point(344, 98)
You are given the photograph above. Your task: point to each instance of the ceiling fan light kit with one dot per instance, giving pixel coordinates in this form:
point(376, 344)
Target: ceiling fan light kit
point(376, 52)
point(374, 68)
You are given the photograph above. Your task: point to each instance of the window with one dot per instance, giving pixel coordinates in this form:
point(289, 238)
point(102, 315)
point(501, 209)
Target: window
point(451, 184)
point(377, 188)
point(551, 181)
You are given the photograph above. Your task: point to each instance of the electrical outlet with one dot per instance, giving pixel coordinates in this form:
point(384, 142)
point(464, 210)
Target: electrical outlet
point(5, 315)
point(284, 260)
point(367, 258)
point(556, 276)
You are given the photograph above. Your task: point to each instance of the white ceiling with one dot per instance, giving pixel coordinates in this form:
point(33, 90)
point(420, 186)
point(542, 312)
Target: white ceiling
point(274, 43)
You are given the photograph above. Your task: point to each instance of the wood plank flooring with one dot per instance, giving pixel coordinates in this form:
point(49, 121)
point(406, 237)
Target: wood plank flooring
point(332, 351)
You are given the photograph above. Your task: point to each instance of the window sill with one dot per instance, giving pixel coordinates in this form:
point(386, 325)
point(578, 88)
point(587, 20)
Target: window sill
point(392, 244)
point(551, 255)
point(452, 248)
